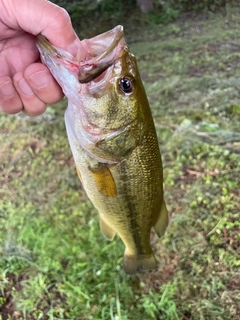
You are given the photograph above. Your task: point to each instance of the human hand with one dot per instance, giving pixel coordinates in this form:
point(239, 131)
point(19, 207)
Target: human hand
point(25, 83)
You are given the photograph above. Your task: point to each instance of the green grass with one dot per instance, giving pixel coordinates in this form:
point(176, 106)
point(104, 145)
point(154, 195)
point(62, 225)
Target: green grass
point(55, 264)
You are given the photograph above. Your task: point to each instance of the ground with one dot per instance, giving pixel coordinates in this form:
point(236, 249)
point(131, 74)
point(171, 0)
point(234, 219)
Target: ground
point(55, 264)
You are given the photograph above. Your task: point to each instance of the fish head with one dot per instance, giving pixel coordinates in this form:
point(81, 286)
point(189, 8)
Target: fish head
point(104, 91)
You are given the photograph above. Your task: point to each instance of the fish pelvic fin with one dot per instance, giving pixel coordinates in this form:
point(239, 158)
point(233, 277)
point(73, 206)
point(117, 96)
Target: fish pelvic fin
point(106, 230)
point(134, 264)
point(162, 222)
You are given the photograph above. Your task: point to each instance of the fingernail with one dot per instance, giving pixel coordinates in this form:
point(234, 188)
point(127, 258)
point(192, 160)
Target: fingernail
point(40, 79)
point(7, 90)
point(24, 87)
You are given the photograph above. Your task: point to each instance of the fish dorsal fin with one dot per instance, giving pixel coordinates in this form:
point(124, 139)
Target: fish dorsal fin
point(107, 231)
point(162, 222)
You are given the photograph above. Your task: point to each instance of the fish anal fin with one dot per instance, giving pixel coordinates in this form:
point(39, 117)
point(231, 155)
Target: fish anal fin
point(134, 264)
point(106, 230)
point(104, 180)
point(162, 222)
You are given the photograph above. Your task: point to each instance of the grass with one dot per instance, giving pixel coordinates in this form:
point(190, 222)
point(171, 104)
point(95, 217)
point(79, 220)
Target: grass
point(55, 264)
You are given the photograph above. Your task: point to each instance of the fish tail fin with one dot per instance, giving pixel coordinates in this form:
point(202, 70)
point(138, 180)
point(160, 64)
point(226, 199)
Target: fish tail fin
point(133, 264)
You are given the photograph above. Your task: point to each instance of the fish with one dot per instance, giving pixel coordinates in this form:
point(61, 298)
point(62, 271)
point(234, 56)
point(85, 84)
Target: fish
point(113, 140)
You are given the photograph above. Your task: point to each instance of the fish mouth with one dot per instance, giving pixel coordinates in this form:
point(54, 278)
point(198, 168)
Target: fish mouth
point(102, 56)
point(94, 55)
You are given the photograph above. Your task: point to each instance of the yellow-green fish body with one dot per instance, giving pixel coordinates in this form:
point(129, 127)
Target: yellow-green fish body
point(113, 141)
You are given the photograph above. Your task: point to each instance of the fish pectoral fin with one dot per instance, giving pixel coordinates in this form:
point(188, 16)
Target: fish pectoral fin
point(133, 264)
point(104, 180)
point(162, 222)
point(106, 230)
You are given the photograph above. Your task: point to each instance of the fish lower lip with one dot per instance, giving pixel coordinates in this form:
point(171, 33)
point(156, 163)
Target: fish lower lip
point(88, 66)
point(44, 43)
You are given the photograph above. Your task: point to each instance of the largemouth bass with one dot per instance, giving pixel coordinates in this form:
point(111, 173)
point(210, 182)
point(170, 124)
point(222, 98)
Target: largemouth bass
point(113, 140)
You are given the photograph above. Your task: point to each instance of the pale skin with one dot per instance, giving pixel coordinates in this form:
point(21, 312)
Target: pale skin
point(25, 83)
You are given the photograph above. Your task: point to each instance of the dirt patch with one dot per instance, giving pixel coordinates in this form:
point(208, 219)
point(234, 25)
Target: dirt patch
point(8, 308)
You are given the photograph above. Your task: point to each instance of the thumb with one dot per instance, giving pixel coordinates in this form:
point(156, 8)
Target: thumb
point(41, 16)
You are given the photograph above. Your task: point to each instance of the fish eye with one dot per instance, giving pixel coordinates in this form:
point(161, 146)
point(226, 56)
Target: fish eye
point(126, 85)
